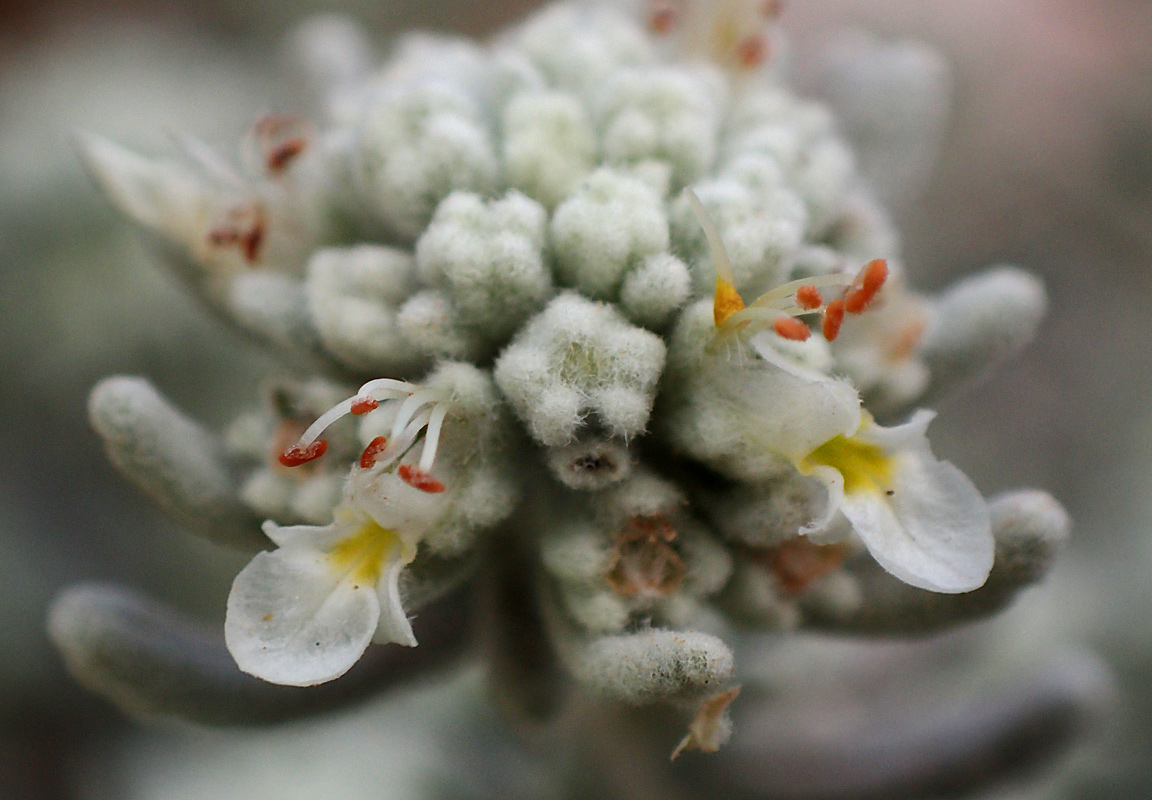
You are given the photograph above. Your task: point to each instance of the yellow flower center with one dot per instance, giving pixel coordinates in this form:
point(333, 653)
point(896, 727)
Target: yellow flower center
point(363, 554)
point(865, 467)
point(726, 302)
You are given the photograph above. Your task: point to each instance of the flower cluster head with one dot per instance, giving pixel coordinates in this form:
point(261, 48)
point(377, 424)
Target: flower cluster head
point(630, 328)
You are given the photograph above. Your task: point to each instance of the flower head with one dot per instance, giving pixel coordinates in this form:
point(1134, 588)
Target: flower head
point(304, 613)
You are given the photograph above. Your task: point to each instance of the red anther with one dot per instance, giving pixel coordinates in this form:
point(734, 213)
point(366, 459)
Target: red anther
point(870, 280)
point(662, 17)
point(372, 452)
point(772, 8)
point(419, 480)
point(808, 298)
point(833, 319)
point(791, 328)
point(752, 52)
point(281, 138)
point(365, 404)
point(295, 455)
point(283, 154)
point(246, 228)
point(252, 240)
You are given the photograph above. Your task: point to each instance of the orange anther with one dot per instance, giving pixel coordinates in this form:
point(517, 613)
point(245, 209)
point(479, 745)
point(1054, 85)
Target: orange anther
point(870, 280)
point(419, 480)
point(295, 455)
point(662, 17)
point(855, 301)
point(791, 328)
point(727, 301)
point(365, 404)
point(873, 275)
point(372, 452)
point(808, 298)
point(751, 52)
point(833, 318)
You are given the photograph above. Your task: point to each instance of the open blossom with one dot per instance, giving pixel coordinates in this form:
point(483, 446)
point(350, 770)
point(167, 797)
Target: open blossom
point(304, 613)
point(920, 518)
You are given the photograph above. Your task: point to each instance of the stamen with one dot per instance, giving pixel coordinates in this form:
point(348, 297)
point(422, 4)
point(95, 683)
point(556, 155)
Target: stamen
point(791, 328)
point(870, 280)
point(808, 297)
point(372, 452)
point(365, 400)
point(296, 455)
point(337, 411)
point(432, 437)
point(245, 227)
point(281, 139)
point(413, 404)
point(833, 319)
point(284, 153)
point(363, 405)
point(418, 479)
point(774, 297)
point(380, 388)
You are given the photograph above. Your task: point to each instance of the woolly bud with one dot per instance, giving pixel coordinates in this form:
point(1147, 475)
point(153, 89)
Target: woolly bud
point(610, 225)
point(663, 114)
point(487, 257)
point(416, 145)
point(549, 146)
point(354, 295)
point(171, 458)
point(978, 324)
point(575, 358)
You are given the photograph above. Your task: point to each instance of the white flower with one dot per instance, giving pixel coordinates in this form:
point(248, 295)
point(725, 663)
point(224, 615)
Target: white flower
point(920, 518)
point(303, 614)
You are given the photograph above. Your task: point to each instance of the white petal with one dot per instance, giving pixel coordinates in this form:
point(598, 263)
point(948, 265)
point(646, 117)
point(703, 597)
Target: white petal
point(294, 620)
point(834, 489)
point(394, 626)
point(794, 415)
point(394, 504)
point(306, 537)
point(911, 435)
point(808, 360)
point(933, 532)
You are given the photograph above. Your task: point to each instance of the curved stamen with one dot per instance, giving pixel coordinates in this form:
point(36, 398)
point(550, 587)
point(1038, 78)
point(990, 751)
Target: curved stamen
point(341, 409)
point(414, 403)
point(789, 290)
point(379, 388)
point(432, 436)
